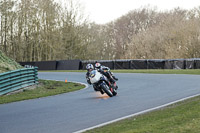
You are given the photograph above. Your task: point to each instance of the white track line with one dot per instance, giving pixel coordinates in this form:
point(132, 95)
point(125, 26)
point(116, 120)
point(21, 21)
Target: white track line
point(135, 114)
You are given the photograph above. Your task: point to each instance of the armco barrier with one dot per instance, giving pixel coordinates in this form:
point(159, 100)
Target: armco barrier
point(42, 65)
point(17, 79)
point(68, 65)
point(169, 64)
point(197, 63)
point(112, 64)
point(122, 64)
point(155, 64)
point(175, 64)
point(193, 63)
point(189, 64)
point(46, 65)
point(179, 64)
point(27, 63)
point(138, 64)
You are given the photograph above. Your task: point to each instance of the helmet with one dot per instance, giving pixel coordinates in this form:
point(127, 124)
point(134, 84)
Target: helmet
point(97, 65)
point(89, 66)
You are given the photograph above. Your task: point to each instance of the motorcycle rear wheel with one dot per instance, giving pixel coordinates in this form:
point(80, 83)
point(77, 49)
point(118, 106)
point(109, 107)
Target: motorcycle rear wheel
point(114, 92)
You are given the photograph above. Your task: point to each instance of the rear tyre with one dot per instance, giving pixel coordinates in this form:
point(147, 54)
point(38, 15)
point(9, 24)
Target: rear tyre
point(114, 92)
point(107, 90)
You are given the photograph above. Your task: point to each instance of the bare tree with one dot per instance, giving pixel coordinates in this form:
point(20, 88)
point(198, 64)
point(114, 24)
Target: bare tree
point(6, 12)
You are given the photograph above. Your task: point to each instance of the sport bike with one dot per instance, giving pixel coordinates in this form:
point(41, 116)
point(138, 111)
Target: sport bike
point(102, 84)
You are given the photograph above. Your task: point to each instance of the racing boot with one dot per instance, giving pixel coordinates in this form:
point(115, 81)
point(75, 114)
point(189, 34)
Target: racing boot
point(115, 86)
point(116, 79)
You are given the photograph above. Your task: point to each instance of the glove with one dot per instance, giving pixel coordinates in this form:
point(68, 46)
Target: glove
point(89, 82)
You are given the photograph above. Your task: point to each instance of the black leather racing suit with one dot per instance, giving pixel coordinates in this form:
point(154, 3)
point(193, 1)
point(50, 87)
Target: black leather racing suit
point(106, 71)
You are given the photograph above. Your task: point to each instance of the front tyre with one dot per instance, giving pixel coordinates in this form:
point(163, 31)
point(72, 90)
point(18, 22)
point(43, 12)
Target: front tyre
point(107, 90)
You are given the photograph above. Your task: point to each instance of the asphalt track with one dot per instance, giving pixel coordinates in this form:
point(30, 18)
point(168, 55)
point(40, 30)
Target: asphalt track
point(82, 109)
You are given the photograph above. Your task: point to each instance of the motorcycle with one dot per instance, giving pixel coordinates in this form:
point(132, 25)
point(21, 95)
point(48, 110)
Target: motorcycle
point(102, 83)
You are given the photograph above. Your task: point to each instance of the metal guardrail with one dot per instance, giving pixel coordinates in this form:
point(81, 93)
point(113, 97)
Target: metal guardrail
point(17, 79)
point(193, 63)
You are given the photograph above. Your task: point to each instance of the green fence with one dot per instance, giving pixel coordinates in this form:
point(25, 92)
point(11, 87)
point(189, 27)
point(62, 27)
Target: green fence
point(17, 79)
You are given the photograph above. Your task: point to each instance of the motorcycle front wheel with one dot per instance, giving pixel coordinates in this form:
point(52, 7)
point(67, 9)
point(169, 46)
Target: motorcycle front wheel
point(107, 90)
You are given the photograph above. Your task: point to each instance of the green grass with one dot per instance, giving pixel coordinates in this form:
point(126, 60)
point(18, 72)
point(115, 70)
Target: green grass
point(7, 64)
point(45, 88)
point(154, 71)
point(183, 117)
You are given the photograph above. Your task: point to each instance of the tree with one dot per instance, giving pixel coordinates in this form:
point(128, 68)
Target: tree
point(6, 7)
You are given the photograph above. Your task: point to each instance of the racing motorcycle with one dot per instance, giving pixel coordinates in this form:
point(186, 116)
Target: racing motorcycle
point(102, 83)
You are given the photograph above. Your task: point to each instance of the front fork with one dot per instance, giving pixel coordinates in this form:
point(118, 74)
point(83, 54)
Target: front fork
point(112, 86)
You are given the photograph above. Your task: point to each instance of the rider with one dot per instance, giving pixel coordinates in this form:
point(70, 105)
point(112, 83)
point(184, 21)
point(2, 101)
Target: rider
point(105, 71)
point(89, 68)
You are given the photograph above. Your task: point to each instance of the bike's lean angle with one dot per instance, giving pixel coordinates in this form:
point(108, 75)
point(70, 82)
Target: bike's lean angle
point(102, 83)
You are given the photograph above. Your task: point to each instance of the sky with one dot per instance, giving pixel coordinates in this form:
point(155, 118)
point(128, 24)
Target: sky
point(103, 11)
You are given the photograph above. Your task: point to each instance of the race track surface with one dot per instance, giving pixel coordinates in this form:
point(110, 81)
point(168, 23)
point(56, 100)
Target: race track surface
point(82, 109)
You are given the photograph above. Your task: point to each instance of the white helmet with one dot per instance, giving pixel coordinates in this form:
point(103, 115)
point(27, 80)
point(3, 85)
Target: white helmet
point(89, 66)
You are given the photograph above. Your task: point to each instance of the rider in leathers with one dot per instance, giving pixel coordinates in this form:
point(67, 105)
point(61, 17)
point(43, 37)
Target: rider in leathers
point(89, 68)
point(102, 69)
point(105, 71)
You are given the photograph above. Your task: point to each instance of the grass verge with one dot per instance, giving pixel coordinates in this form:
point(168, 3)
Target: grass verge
point(43, 89)
point(182, 117)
